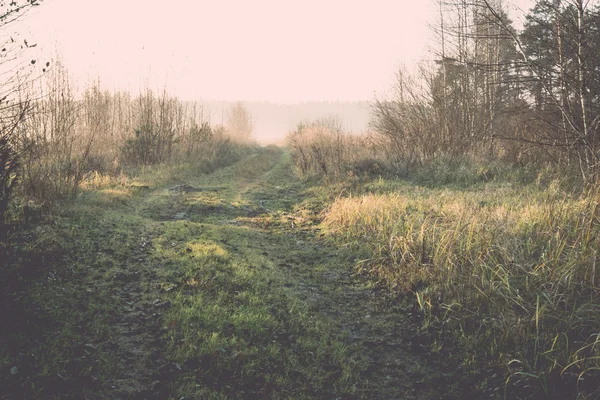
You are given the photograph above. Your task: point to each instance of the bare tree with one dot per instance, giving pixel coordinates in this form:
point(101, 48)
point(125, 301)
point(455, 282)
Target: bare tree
point(14, 108)
point(452, 107)
point(53, 164)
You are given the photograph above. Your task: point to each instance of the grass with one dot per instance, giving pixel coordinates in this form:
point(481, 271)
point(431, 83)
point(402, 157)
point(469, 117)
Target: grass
point(509, 270)
point(241, 287)
point(136, 291)
point(235, 324)
point(236, 330)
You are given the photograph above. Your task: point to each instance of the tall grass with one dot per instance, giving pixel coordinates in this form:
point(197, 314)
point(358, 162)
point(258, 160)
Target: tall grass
point(508, 271)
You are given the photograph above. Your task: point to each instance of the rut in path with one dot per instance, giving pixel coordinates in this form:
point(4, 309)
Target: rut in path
point(136, 344)
point(371, 324)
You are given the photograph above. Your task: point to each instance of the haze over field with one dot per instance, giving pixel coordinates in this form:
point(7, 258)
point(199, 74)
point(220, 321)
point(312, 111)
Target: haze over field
point(260, 51)
point(273, 120)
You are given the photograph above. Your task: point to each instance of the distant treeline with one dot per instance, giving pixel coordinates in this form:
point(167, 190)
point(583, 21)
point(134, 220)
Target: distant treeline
point(274, 120)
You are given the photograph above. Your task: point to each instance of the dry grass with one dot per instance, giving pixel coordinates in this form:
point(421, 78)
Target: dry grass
point(510, 270)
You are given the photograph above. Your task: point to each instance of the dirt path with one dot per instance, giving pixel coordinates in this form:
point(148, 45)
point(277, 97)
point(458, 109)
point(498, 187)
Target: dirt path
point(318, 274)
point(225, 288)
point(136, 342)
point(374, 328)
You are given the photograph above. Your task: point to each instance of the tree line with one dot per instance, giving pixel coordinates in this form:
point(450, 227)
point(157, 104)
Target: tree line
point(495, 91)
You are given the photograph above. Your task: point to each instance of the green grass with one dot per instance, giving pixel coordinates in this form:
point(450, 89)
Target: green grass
point(231, 321)
point(151, 292)
point(64, 270)
point(235, 324)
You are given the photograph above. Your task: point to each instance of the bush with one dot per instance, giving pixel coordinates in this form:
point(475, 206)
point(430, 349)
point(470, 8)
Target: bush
point(321, 148)
point(142, 149)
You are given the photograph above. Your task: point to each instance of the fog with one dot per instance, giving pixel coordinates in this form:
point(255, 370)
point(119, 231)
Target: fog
point(272, 121)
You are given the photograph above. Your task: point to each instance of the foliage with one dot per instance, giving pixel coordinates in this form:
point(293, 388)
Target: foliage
point(53, 165)
point(454, 106)
point(8, 174)
point(142, 149)
point(66, 139)
point(322, 148)
point(14, 107)
point(159, 121)
point(560, 47)
point(497, 93)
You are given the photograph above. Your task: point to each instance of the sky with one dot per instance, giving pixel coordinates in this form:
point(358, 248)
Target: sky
point(259, 50)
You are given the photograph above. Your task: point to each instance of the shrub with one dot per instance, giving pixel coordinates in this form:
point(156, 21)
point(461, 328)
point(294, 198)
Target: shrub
point(321, 148)
point(142, 149)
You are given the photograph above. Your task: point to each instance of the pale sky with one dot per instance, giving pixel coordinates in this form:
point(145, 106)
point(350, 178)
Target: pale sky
point(274, 50)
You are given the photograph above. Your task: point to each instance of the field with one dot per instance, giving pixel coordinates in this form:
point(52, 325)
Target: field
point(188, 214)
point(209, 286)
point(250, 282)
